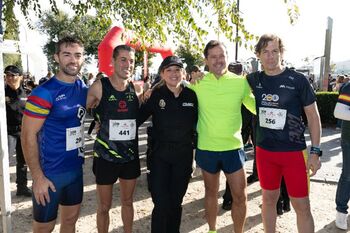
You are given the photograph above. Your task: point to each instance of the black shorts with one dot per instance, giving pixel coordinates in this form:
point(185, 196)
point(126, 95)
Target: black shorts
point(107, 173)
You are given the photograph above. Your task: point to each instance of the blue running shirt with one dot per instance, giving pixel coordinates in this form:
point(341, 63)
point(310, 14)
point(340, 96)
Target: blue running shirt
point(61, 139)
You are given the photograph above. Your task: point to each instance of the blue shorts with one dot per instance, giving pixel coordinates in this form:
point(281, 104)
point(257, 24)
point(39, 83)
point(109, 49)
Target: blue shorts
point(213, 161)
point(69, 192)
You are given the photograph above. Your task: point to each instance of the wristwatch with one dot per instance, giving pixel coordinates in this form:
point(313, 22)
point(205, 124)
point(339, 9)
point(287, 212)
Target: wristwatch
point(316, 150)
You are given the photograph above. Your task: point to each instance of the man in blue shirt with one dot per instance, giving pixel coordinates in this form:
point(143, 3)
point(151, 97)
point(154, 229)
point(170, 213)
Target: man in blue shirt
point(53, 141)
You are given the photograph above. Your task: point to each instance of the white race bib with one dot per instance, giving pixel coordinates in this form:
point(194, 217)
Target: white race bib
point(122, 130)
point(272, 118)
point(74, 138)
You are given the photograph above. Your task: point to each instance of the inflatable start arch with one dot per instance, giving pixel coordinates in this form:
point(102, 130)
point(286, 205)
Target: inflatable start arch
point(117, 36)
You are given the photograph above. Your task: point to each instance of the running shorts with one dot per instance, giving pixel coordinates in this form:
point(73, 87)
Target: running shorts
point(213, 161)
point(69, 192)
point(107, 173)
point(291, 165)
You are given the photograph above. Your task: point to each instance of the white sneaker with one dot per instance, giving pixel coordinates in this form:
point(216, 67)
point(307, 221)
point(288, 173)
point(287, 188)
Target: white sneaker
point(341, 221)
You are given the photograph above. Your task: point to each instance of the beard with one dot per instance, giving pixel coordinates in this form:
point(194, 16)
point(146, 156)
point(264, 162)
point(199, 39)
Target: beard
point(69, 71)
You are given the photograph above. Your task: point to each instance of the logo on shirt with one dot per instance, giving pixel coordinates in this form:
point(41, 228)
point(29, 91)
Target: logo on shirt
point(270, 97)
point(61, 97)
point(269, 100)
point(286, 87)
point(81, 114)
point(187, 104)
point(122, 106)
point(162, 103)
point(129, 96)
point(112, 98)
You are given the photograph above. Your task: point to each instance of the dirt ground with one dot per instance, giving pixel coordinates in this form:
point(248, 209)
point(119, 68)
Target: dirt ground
point(322, 202)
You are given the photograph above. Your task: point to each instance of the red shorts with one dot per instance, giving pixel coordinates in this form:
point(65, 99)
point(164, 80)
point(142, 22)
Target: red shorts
point(291, 165)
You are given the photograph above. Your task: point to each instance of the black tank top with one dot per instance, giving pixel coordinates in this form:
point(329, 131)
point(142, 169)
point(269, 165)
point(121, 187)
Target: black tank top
point(117, 140)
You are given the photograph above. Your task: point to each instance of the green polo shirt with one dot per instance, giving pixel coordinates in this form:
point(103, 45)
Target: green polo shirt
point(219, 111)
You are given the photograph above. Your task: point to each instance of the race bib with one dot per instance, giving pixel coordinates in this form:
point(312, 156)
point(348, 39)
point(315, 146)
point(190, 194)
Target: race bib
point(122, 130)
point(74, 138)
point(272, 118)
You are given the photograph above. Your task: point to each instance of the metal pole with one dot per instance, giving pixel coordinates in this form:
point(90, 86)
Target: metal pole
point(27, 56)
point(237, 12)
point(327, 54)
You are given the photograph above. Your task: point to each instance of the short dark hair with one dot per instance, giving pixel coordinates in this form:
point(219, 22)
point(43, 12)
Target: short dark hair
point(121, 47)
point(265, 39)
point(68, 40)
point(211, 44)
point(236, 68)
point(194, 68)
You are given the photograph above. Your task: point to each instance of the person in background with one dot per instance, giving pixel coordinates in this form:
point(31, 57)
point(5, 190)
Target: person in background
point(91, 79)
point(15, 99)
point(47, 77)
point(53, 140)
point(342, 111)
point(146, 83)
point(194, 73)
point(339, 83)
point(30, 86)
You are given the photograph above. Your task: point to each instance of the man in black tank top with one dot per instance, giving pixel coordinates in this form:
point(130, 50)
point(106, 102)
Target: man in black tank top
point(116, 100)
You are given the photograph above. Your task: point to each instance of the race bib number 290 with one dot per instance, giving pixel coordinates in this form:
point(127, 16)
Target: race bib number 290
point(122, 130)
point(74, 138)
point(272, 118)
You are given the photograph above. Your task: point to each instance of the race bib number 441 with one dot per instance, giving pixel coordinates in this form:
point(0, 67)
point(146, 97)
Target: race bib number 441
point(272, 118)
point(122, 130)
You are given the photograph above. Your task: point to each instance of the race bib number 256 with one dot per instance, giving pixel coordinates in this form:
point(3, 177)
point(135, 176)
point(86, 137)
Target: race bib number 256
point(272, 118)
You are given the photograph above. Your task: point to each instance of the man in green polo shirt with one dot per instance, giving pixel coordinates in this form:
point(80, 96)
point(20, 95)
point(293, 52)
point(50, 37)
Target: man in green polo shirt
point(220, 95)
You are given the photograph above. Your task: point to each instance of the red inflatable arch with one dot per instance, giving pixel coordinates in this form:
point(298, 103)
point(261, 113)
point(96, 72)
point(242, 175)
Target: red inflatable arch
point(117, 36)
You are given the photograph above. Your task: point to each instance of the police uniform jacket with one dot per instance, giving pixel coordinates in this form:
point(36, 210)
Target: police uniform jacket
point(174, 118)
point(15, 103)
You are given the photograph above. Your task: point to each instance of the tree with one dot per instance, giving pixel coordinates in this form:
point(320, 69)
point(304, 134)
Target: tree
point(58, 25)
point(12, 59)
point(159, 19)
point(139, 58)
point(190, 56)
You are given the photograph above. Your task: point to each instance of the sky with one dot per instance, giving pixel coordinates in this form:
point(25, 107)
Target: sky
point(304, 39)
point(307, 37)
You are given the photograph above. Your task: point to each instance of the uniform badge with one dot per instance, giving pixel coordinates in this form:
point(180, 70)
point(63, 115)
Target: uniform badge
point(162, 103)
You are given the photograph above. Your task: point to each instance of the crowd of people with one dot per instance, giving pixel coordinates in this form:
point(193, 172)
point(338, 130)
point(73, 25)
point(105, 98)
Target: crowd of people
point(194, 116)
